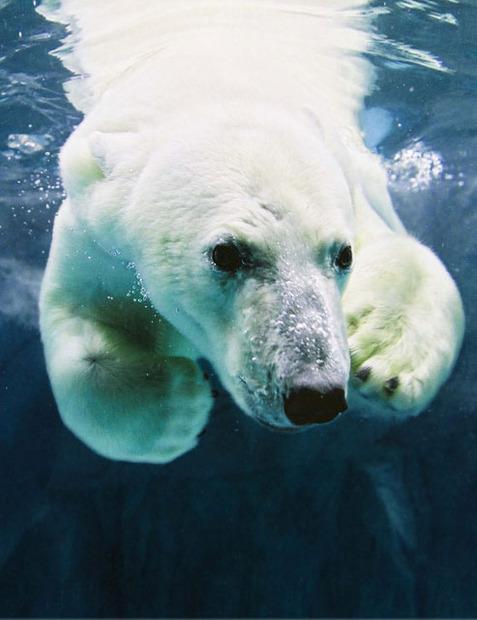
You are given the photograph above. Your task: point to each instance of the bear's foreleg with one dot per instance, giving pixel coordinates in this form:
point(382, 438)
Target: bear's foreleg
point(125, 381)
point(405, 324)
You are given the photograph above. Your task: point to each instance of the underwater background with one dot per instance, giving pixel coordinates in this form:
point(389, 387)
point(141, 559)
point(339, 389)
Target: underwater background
point(250, 523)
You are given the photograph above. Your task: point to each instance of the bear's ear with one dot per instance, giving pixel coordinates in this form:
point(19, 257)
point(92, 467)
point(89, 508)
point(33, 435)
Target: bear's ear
point(85, 160)
point(110, 150)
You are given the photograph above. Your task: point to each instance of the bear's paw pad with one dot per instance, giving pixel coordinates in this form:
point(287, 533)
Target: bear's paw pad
point(391, 361)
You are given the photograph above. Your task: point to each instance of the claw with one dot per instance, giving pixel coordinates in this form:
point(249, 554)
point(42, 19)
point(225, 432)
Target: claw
point(391, 385)
point(363, 373)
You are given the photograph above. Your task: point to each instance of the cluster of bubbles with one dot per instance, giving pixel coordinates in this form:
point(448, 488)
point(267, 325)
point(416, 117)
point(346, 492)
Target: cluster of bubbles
point(20, 144)
point(417, 166)
point(138, 293)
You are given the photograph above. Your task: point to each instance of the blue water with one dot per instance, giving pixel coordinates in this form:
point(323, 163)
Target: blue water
point(250, 524)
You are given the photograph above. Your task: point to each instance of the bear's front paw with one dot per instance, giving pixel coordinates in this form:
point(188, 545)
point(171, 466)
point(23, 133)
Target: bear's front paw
point(389, 363)
point(405, 322)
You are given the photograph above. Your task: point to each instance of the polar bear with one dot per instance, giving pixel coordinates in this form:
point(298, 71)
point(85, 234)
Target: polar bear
point(221, 204)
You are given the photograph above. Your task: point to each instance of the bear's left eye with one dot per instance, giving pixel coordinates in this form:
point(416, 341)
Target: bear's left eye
point(226, 256)
point(345, 258)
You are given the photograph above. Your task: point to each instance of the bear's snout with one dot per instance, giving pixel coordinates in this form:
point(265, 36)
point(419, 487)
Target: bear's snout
point(306, 405)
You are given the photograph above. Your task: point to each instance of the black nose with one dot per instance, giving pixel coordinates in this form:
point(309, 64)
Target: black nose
point(306, 405)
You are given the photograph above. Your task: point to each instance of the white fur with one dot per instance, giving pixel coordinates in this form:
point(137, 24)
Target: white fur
point(207, 121)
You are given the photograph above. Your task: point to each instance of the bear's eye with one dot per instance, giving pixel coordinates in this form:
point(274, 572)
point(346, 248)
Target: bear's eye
point(226, 256)
point(344, 258)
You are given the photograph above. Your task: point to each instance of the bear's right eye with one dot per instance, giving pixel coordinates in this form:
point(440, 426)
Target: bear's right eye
point(344, 258)
point(226, 256)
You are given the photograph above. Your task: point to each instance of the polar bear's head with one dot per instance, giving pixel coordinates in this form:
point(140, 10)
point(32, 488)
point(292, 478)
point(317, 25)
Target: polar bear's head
point(242, 230)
